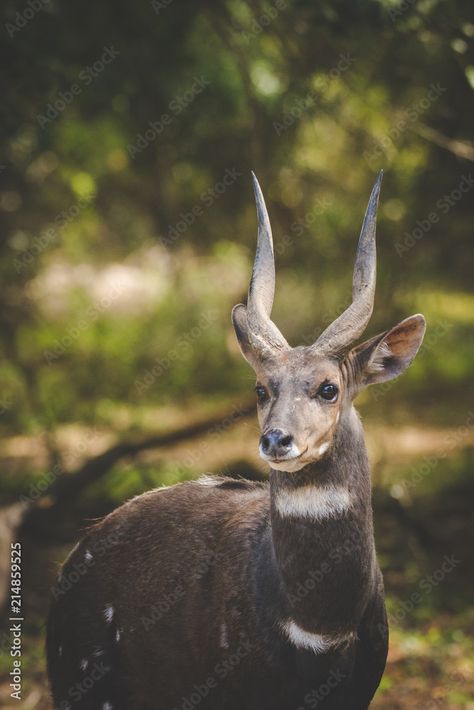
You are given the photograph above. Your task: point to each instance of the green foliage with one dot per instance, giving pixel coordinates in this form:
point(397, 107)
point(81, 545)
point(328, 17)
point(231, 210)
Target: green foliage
point(315, 97)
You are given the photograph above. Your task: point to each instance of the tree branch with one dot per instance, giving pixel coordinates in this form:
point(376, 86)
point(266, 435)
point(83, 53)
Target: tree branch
point(70, 485)
point(458, 148)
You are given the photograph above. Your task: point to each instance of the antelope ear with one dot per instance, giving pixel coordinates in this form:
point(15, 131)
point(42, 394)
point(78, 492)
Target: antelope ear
point(241, 327)
point(389, 354)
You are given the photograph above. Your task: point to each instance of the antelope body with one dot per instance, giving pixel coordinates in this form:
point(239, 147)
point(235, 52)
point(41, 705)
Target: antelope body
point(230, 595)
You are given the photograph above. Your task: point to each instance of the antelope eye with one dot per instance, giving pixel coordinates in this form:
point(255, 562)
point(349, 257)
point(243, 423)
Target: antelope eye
point(262, 393)
point(328, 392)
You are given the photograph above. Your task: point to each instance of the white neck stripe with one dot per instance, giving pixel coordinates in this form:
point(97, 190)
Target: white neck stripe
point(314, 642)
point(313, 502)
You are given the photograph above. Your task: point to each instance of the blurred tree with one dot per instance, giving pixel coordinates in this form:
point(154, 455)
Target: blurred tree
point(128, 134)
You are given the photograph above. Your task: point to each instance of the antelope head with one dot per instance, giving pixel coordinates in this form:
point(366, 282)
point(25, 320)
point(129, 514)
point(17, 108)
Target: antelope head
point(304, 391)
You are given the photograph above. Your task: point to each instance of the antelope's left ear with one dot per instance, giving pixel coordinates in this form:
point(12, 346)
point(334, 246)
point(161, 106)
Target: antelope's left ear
point(387, 355)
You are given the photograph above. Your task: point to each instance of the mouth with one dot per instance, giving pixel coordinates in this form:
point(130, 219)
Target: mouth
point(288, 459)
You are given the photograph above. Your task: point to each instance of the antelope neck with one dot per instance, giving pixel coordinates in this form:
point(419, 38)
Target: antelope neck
point(321, 516)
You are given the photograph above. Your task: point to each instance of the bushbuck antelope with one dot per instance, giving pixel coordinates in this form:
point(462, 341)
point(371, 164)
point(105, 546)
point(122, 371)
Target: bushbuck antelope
point(231, 595)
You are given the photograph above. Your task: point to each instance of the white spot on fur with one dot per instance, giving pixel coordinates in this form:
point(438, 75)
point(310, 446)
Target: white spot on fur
point(107, 706)
point(313, 502)
point(323, 448)
point(313, 642)
point(88, 556)
point(60, 649)
point(98, 651)
point(117, 635)
point(290, 462)
point(224, 641)
point(109, 613)
point(83, 664)
point(305, 639)
point(208, 480)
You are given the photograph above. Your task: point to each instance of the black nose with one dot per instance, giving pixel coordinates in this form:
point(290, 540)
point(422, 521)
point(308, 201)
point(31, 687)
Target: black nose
point(276, 443)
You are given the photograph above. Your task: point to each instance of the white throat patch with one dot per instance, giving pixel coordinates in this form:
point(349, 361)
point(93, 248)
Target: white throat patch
point(317, 643)
point(313, 502)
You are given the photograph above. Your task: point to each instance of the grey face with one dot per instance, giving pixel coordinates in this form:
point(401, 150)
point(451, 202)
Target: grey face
point(301, 391)
point(299, 400)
